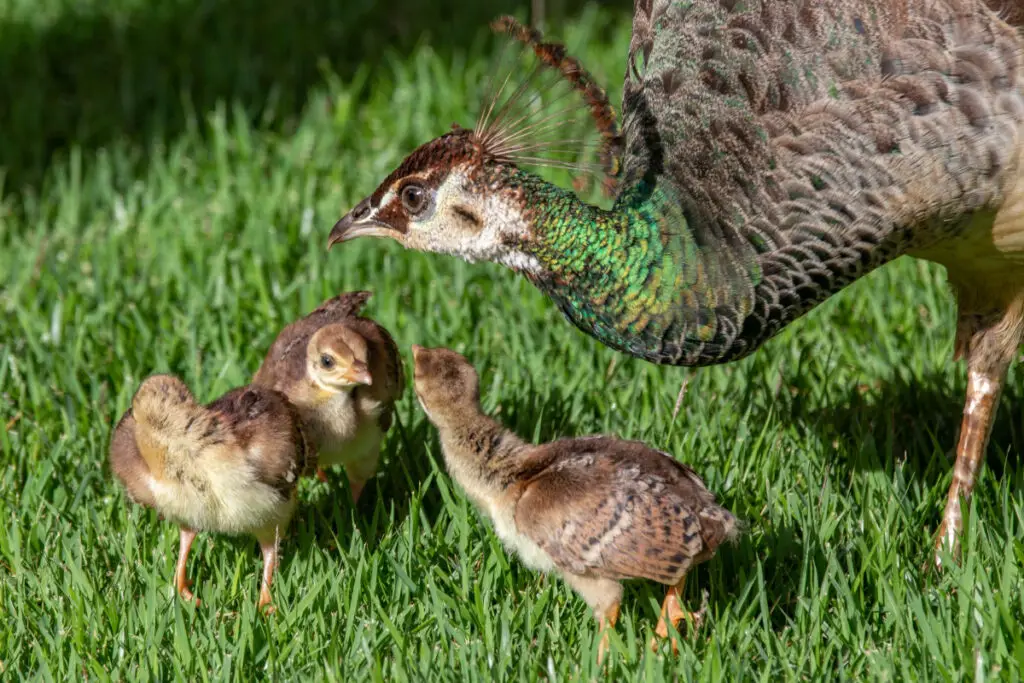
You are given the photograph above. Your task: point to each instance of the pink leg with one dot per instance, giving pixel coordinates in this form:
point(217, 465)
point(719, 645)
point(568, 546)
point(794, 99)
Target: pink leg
point(181, 583)
point(989, 343)
point(269, 549)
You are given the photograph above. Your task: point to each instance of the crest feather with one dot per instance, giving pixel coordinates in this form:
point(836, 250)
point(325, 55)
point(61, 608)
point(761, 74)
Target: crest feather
point(514, 131)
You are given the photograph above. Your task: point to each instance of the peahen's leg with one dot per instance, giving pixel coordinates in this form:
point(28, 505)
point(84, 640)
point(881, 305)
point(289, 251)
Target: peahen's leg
point(989, 343)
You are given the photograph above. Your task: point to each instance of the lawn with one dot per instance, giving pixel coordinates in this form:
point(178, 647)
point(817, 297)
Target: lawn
point(169, 172)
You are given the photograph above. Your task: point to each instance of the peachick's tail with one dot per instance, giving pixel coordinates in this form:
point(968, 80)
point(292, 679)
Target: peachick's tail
point(168, 417)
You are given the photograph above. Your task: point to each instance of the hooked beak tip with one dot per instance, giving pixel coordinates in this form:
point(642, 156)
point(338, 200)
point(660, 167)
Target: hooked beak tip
point(349, 229)
point(338, 232)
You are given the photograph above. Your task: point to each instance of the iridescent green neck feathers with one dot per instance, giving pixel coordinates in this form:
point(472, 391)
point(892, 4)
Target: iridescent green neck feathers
point(635, 276)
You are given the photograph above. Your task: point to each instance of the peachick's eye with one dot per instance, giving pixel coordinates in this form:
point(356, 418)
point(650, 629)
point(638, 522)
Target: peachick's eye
point(326, 361)
point(414, 198)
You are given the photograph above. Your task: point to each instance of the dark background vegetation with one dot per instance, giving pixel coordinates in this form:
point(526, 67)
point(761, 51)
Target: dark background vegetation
point(135, 72)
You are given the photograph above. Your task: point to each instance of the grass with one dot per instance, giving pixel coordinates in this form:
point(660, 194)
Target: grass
point(179, 228)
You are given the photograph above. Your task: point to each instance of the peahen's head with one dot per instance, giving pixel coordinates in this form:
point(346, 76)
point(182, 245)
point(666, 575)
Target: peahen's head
point(463, 193)
point(450, 196)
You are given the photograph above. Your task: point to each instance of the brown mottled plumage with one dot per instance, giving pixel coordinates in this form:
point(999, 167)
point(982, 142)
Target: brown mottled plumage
point(596, 509)
point(232, 466)
point(343, 373)
point(774, 151)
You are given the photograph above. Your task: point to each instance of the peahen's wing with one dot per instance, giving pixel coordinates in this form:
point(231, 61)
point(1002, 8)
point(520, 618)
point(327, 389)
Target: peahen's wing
point(702, 77)
point(806, 142)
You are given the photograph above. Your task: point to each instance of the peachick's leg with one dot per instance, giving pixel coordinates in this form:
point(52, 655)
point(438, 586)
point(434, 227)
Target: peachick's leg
point(182, 584)
point(606, 623)
point(989, 343)
point(356, 486)
point(361, 470)
point(269, 548)
point(672, 611)
point(604, 597)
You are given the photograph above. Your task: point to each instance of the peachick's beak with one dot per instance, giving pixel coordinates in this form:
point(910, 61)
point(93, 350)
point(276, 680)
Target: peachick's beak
point(359, 374)
point(359, 222)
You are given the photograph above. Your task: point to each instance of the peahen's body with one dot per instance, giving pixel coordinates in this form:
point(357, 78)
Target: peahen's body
point(772, 152)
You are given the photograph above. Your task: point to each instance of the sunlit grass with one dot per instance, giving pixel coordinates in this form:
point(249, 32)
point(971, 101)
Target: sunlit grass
point(188, 253)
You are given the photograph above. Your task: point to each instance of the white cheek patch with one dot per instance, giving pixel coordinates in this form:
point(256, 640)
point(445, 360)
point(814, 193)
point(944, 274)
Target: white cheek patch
point(503, 219)
point(500, 219)
point(518, 261)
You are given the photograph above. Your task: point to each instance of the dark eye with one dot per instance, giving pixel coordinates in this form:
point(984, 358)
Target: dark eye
point(414, 198)
point(326, 361)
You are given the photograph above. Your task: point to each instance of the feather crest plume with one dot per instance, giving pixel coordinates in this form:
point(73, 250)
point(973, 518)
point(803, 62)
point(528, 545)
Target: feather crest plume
point(546, 110)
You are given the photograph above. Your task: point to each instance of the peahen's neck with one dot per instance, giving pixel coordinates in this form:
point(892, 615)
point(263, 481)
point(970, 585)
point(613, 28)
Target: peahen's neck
point(636, 278)
point(649, 280)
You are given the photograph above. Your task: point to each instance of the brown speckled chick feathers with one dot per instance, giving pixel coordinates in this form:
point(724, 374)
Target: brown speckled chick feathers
point(232, 466)
point(343, 373)
point(596, 510)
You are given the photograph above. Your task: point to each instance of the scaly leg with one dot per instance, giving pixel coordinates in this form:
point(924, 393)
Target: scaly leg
point(269, 549)
point(989, 344)
point(983, 391)
point(182, 584)
point(672, 611)
point(606, 623)
point(604, 597)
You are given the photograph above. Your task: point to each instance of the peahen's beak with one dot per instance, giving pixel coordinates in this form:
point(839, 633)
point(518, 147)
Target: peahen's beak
point(359, 222)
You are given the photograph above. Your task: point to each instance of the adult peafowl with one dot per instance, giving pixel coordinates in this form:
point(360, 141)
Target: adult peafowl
point(771, 153)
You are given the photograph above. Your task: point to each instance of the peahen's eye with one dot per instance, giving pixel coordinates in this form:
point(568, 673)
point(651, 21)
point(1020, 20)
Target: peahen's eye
point(326, 361)
point(414, 198)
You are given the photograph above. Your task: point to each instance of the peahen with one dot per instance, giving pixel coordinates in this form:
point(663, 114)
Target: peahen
point(772, 152)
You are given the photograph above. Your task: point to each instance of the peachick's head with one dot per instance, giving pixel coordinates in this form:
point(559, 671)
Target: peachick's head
point(337, 359)
point(447, 386)
point(450, 196)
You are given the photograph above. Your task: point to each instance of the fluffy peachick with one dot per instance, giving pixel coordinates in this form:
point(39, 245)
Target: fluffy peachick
point(231, 466)
point(596, 510)
point(343, 373)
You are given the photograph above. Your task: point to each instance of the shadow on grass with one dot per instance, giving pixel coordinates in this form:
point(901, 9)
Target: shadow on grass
point(140, 70)
point(913, 421)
